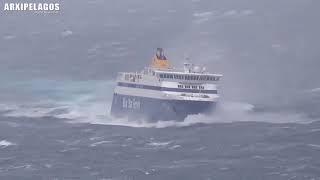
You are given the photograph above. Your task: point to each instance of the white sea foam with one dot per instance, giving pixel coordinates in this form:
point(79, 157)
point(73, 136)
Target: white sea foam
point(66, 33)
point(175, 147)
point(5, 143)
point(32, 112)
point(90, 102)
point(315, 130)
point(315, 90)
point(247, 12)
point(7, 107)
point(237, 13)
point(317, 146)
point(9, 37)
point(159, 143)
point(202, 17)
point(203, 14)
point(80, 100)
point(98, 113)
point(99, 143)
point(230, 13)
point(225, 113)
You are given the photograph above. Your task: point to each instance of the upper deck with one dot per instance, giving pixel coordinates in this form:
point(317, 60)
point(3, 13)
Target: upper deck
point(187, 76)
point(161, 81)
point(174, 76)
point(161, 71)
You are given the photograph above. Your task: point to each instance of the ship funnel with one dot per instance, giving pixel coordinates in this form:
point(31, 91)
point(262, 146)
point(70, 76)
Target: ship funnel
point(160, 61)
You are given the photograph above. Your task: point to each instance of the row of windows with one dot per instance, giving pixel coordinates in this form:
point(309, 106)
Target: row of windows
point(189, 77)
point(132, 77)
point(188, 87)
point(158, 88)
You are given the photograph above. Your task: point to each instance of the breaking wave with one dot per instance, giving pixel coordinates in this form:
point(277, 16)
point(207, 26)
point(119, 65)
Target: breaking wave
point(5, 143)
point(90, 102)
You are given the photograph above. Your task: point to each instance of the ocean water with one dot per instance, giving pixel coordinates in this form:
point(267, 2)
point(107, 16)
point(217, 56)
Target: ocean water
point(70, 135)
point(58, 71)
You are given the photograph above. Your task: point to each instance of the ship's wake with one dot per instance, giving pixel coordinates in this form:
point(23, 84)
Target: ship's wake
point(90, 102)
point(226, 112)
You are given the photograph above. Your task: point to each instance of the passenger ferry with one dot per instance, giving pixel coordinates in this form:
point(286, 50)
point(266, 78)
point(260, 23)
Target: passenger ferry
point(160, 92)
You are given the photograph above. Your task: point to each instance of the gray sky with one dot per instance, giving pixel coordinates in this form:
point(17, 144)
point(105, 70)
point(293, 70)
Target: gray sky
point(264, 48)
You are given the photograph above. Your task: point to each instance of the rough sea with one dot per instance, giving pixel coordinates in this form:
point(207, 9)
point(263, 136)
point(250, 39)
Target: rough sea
point(58, 71)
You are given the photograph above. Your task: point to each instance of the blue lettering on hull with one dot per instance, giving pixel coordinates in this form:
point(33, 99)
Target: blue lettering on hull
point(156, 109)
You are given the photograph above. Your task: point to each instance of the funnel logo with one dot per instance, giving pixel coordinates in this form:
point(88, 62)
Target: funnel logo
point(36, 7)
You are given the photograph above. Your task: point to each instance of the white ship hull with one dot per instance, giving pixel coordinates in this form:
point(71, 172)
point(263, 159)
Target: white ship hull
point(155, 103)
point(163, 93)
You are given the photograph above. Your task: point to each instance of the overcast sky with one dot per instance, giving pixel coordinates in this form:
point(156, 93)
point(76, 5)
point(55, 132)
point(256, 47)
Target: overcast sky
point(261, 46)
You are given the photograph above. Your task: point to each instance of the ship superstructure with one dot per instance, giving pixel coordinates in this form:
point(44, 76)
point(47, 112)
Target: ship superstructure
point(160, 92)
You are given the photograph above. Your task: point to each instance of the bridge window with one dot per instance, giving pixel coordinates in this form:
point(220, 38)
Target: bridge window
point(194, 87)
point(187, 86)
point(126, 77)
point(180, 86)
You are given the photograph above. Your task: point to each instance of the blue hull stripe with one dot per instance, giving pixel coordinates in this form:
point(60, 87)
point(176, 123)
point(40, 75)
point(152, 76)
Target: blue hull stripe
point(135, 107)
point(157, 88)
